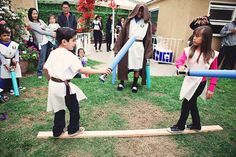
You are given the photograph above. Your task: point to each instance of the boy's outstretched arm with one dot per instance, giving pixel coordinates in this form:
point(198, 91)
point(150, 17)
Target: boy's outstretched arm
point(87, 70)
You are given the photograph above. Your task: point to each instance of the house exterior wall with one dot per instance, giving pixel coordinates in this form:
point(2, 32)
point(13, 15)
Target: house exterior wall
point(176, 15)
point(25, 4)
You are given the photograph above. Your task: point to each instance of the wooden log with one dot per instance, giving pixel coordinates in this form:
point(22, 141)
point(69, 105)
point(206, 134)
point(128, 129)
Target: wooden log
point(131, 133)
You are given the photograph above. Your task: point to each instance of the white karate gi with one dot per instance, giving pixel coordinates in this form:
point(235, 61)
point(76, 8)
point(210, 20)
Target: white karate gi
point(191, 83)
point(136, 51)
point(62, 64)
point(6, 53)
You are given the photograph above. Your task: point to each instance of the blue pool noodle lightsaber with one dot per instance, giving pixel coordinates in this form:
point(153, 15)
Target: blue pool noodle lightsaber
point(113, 76)
point(209, 73)
point(148, 77)
point(14, 83)
point(119, 56)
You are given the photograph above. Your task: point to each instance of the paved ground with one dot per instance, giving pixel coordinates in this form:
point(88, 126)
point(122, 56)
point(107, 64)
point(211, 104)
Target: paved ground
point(106, 58)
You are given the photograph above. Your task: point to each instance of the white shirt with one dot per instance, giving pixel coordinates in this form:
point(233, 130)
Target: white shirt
point(9, 52)
point(64, 65)
point(96, 25)
point(136, 51)
point(191, 83)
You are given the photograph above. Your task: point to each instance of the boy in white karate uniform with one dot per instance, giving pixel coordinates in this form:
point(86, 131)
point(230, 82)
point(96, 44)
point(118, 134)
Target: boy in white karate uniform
point(61, 66)
point(9, 56)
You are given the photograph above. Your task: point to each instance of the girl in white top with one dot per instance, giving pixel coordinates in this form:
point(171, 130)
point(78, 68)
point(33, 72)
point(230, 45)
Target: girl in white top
point(200, 56)
point(61, 66)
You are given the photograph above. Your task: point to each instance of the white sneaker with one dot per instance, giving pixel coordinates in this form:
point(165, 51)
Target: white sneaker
point(80, 131)
point(11, 92)
point(40, 77)
point(21, 88)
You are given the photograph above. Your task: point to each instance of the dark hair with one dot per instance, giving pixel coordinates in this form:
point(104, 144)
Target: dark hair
point(109, 18)
point(30, 11)
point(206, 33)
point(79, 50)
point(65, 3)
point(4, 29)
point(64, 33)
point(50, 17)
point(96, 17)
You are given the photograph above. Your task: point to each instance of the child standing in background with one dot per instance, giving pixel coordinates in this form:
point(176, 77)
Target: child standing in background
point(137, 24)
point(53, 26)
point(200, 56)
point(82, 58)
point(9, 56)
point(61, 92)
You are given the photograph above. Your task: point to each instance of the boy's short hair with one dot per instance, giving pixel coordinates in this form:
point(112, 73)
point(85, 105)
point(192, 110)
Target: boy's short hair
point(65, 3)
point(64, 33)
point(4, 29)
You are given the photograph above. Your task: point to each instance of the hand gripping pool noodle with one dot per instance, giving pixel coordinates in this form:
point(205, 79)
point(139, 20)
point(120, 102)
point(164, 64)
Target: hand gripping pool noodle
point(209, 73)
point(148, 77)
point(119, 56)
point(14, 82)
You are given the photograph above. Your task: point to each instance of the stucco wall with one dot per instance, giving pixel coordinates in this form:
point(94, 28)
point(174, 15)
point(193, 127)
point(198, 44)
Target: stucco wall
point(176, 15)
point(23, 4)
point(26, 4)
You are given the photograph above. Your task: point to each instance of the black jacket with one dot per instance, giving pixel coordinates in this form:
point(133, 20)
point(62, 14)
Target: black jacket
point(70, 22)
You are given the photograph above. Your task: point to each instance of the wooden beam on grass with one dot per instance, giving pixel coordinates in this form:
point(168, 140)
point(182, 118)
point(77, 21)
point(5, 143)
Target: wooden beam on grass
point(131, 133)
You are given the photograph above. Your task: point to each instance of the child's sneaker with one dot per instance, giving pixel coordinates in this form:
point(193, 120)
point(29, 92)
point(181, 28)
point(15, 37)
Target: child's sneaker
point(3, 116)
point(3, 98)
point(11, 92)
point(80, 131)
point(21, 88)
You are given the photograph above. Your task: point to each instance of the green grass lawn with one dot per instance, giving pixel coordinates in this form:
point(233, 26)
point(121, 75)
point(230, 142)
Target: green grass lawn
point(106, 109)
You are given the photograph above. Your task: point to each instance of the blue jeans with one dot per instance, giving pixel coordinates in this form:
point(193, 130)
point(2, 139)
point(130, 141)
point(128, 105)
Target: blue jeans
point(42, 58)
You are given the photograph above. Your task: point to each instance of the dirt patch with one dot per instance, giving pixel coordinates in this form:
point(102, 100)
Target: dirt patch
point(141, 115)
point(35, 92)
point(148, 146)
point(80, 154)
point(28, 121)
point(156, 94)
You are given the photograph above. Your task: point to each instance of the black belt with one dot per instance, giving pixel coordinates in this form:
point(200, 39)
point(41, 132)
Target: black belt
point(139, 40)
point(58, 80)
point(61, 81)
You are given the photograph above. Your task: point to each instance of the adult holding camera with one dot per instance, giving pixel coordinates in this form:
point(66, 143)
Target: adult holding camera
point(199, 21)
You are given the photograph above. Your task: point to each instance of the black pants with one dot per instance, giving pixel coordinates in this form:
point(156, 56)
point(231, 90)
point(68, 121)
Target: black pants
point(108, 40)
point(59, 118)
point(191, 106)
point(230, 57)
point(97, 38)
point(49, 49)
point(221, 55)
point(8, 84)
